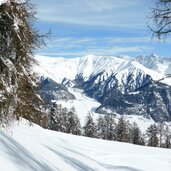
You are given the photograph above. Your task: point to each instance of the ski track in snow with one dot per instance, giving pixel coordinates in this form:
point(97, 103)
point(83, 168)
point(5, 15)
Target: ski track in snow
point(32, 148)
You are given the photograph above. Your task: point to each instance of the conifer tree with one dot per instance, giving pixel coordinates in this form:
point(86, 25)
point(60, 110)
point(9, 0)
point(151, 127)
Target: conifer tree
point(152, 132)
point(161, 133)
point(53, 117)
point(56, 118)
point(101, 128)
point(62, 120)
point(110, 127)
point(137, 137)
point(18, 39)
point(167, 137)
point(73, 124)
point(123, 131)
point(90, 129)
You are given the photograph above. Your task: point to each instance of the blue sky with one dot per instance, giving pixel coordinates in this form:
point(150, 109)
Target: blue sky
point(99, 27)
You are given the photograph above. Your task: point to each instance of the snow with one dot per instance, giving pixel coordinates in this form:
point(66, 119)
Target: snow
point(60, 68)
point(85, 105)
point(56, 68)
point(142, 122)
point(154, 62)
point(82, 104)
point(2, 1)
point(17, 22)
point(32, 148)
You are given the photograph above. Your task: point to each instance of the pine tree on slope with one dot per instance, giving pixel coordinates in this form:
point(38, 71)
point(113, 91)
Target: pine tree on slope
point(90, 129)
point(167, 137)
point(137, 137)
point(73, 125)
point(123, 131)
point(152, 132)
point(101, 128)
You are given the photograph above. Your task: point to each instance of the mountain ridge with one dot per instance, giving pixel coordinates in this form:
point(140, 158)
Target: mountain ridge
point(117, 83)
point(91, 65)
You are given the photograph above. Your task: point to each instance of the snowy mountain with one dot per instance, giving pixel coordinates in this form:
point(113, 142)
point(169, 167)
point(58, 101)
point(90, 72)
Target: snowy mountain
point(32, 148)
point(156, 63)
point(50, 90)
point(122, 85)
point(71, 68)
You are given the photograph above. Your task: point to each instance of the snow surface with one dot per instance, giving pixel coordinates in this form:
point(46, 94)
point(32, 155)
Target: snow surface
point(32, 148)
point(2, 1)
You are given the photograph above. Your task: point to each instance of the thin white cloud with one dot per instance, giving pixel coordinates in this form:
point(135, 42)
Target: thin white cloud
point(72, 42)
point(116, 50)
point(69, 46)
point(108, 13)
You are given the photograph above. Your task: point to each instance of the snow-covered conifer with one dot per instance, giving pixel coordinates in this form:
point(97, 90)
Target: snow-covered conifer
point(90, 129)
point(123, 130)
point(152, 132)
point(137, 137)
point(18, 38)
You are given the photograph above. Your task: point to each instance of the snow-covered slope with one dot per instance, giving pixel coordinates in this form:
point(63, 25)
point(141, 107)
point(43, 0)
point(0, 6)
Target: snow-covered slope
point(36, 149)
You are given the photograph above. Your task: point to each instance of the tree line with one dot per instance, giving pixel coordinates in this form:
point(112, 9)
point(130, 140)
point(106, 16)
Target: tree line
point(107, 127)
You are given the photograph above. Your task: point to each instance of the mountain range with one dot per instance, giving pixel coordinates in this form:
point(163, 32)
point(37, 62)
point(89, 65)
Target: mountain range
point(122, 85)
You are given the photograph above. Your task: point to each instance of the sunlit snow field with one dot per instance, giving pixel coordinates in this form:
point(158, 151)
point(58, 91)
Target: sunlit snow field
point(32, 148)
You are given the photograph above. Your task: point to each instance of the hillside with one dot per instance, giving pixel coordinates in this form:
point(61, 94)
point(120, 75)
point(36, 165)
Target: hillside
point(32, 148)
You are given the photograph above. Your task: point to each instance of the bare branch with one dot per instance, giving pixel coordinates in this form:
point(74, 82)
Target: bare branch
point(161, 19)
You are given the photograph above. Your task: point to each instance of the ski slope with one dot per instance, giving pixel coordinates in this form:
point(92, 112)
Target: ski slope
point(32, 148)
